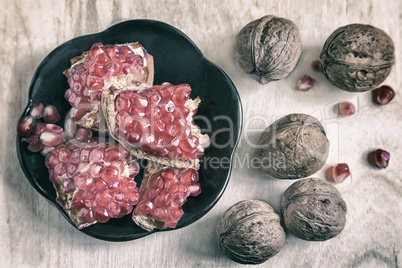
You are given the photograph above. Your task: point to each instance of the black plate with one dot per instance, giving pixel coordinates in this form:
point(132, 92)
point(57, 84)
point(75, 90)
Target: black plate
point(177, 60)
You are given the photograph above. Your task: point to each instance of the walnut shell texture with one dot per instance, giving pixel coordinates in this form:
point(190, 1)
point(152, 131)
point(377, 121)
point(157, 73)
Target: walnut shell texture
point(268, 49)
point(293, 147)
point(250, 232)
point(357, 57)
point(313, 210)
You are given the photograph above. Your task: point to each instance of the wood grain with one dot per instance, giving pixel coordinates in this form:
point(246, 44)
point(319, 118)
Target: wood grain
point(34, 234)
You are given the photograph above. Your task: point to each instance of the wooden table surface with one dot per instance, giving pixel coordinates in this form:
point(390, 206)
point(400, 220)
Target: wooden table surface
point(34, 234)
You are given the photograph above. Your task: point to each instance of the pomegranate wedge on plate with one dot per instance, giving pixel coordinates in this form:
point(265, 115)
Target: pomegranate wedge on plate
point(163, 192)
point(156, 124)
point(94, 182)
point(98, 69)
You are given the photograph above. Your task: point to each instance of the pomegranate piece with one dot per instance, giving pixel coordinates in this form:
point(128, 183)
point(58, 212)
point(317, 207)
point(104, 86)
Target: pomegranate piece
point(50, 114)
point(154, 124)
point(163, 193)
point(384, 95)
point(89, 188)
point(305, 83)
point(103, 67)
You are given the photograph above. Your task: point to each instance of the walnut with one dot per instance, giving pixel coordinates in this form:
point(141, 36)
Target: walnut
point(313, 210)
point(268, 49)
point(357, 57)
point(250, 232)
point(293, 147)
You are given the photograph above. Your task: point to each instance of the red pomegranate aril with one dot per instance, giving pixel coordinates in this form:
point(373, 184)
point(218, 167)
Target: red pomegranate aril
point(36, 111)
point(385, 94)
point(50, 114)
point(50, 138)
point(77, 88)
point(167, 119)
point(86, 215)
point(101, 215)
point(189, 176)
point(96, 170)
point(71, 170)
point(115, 153)
point(181, 112)
point(340, 172)
point(84, 181)
point(140, 101)
point(167, 106)
point(64, 155)
point(26, 126)
point(175, 213)
point(95, 50)
point(39, 128)
point(133, 167)
point(110, 174)
point(35, 145)
point(119, 165)
point(78, 201)
point(83, 135)
point(122, 104)
point(346, 108)
point(181, 94)
point(132, 138)
point(97, 155)
point(60, 169)
point(316, 65)
point(194, 189)
point(54, 128)
point(75, 156)
point(166, 91)
point(154, 98)
point(382, 158)
point(137, 111)
point(154, 113)
point(305, 83)
point(51, 160)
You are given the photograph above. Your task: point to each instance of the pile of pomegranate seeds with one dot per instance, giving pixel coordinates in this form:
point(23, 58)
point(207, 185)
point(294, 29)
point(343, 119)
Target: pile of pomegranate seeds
point(346, 108)
point(99, 178)
point(340, 172)
point(305, 83)
point(155, 120)
point(41, 136)
point(87, 79)
point(166, 192)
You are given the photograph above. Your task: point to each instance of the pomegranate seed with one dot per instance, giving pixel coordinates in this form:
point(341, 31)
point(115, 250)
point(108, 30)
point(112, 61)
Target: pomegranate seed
point(77, 114)
point(381, 158)
point(316, 65)
point(95, 50)
point(154, 98)
point(71, 170)
point(51, 160)
point(110, 174)
point(36, 111)
point(97, 155)
point(346, 108)
point(84, 181)
point(101, 215)
point(64, 155)
point(83, 135)
point(25, 126)
point(305, 83)
point(96, 170)
point(181, 94)
point(50, 138)
point(384, 95)
point(50, 114)
point(35, 145)
point(340, 172)
point(86, 215)
point(54, 128)
point(60, 169)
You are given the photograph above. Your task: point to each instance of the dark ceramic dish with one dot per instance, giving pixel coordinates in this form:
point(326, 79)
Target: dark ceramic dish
point(177, 60)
